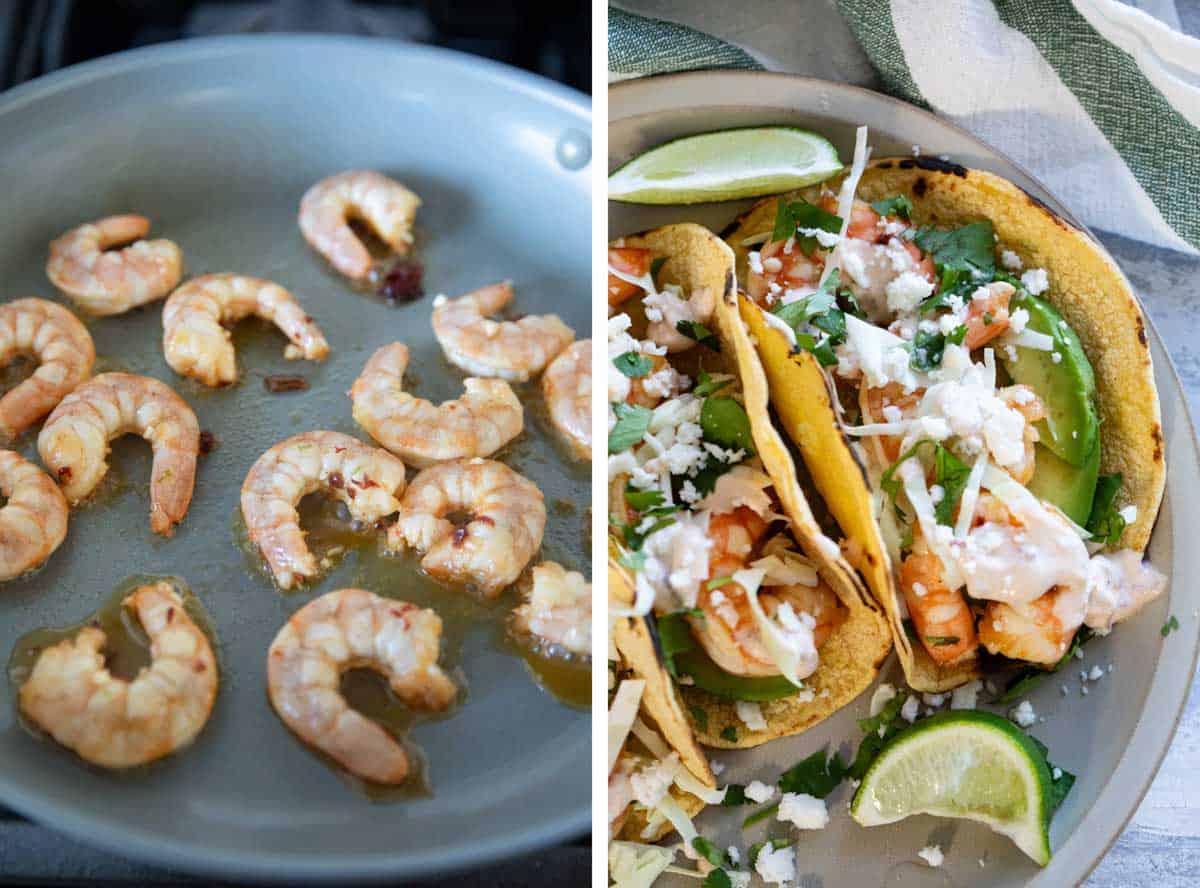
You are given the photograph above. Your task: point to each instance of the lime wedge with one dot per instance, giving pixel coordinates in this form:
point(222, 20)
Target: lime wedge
point(964, 764)
point(725, 165)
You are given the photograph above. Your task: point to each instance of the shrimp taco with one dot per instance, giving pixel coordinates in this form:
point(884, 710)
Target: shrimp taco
point(759, 619)
point(967, 379)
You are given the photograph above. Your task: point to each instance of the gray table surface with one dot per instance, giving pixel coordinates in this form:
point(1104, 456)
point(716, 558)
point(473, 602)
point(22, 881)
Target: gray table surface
point(1161, 845)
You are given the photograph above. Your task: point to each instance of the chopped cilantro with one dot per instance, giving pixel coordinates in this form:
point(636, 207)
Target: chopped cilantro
point(725, 423)
point(791, 215)
point(735, 794)
point(971, 248)
point(674, 637)
point(900, 205)
point(633, 560)
point(1059, 786)
point(815, 775)
point(709, 851)
point(888, 481)
point(951, 474)
point(635, 538)
point(697, 331)
point(708, 386)
point(988, 319)
point(655, 266)
point(819, 309)
point(717, 583)
point(1168, 627)
point(633, 421)
point(759, 815)
point(729, 734)
point(752, 854)
point(938, 641)
point(633, 364)
point(928, 348)
point(873, 742)
point(717, 878)
point(641, 500)
point(1105, 523)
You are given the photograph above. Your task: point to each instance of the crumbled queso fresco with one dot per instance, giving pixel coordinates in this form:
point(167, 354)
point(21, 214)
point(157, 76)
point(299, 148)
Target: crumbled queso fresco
point(1023, 714)
point(932, 855)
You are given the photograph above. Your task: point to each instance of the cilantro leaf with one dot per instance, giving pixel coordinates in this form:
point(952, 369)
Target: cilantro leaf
point(752, 854)
point(928, 348)
point(820, 309)
point(941, 640)
point(1060, 785)
point(632, 364)
point(815, 775)
point(791, 215)
point(951, 473)
point(1168, 627)
point(887, 723)
point(697, 331)
point(900, 205)
point(725, 423)
point(729, 734)
point(707, 385)
point(633, 421)
point(655, 266)
point(735, 795)
point(700, 717)
point(641, 500)
point(717, 878)
point(633, 560)
point(1105, 523)
point(970, 248)
point(674, 637)
point(635, 538)
point(759, 815)
point(717, 583)
point(888, 481)
point(709, 851)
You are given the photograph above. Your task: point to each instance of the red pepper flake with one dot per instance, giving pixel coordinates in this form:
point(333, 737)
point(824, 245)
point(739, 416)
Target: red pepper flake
point(403, 282)
point(351, 492)
point(170, 613)
point(279, 383)
point(64, 473)
point(366, 483)
point(484, 519)
point(200, 666)
point(208, 442)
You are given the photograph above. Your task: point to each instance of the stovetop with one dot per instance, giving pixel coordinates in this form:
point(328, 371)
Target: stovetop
point(41, 36)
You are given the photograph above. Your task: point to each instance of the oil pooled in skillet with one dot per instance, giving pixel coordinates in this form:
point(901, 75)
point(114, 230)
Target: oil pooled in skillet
point(126, 647)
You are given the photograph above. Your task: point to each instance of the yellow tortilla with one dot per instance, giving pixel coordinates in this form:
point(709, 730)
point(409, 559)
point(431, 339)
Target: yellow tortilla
point(1086, 287)
point(660, 706)
point(851, 657)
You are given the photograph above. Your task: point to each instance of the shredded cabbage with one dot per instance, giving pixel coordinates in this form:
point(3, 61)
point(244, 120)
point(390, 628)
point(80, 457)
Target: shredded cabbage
point(846, 199)
point(686, 781)
point(791, 651)
point(657, 746)
point(636, 865)
point(621, 715)
point(970, 496)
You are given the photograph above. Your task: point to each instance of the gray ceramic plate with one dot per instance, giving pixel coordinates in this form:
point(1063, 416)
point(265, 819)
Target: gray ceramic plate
point(216, 141)
point(1114, 738)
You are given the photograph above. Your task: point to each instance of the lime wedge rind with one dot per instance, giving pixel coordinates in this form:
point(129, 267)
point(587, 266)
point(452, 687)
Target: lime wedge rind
point(966, 765)
point(725, 165)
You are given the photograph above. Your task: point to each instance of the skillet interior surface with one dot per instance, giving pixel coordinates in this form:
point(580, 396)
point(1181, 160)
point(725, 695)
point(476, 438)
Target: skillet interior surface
point(216, 141)
point(1114, 738)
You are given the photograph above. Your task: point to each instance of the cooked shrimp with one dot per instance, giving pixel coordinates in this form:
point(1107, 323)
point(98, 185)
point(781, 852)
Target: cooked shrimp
point(351, 629)
point(366, 479)
point(33, 523)
point(85, 265)
point(987, 315)
point(195, 339)
point(631, 261)
point(728, 631)
point(74, 444)
point(64, 352)
point(1025, 401)
point(512, 350)
point(1031, 632)
point(941, 616)
point(502, 518)
point(558, 609)
point(567, 387)
point(362, 195)
point(483, 420)
point(666, 310)
point(874, 403)
point(116, 723)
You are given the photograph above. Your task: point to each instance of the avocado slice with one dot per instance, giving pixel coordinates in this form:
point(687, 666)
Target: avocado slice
point(1062, 484)
point(682, 656)
point(708, 676)
point(1067, 387)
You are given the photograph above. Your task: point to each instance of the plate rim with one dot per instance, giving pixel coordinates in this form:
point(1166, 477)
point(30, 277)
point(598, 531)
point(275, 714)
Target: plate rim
point(193, 858)
point(641, 90)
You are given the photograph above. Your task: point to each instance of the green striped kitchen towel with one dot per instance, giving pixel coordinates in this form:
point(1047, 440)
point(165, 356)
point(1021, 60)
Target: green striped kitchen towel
point(1099, 99)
